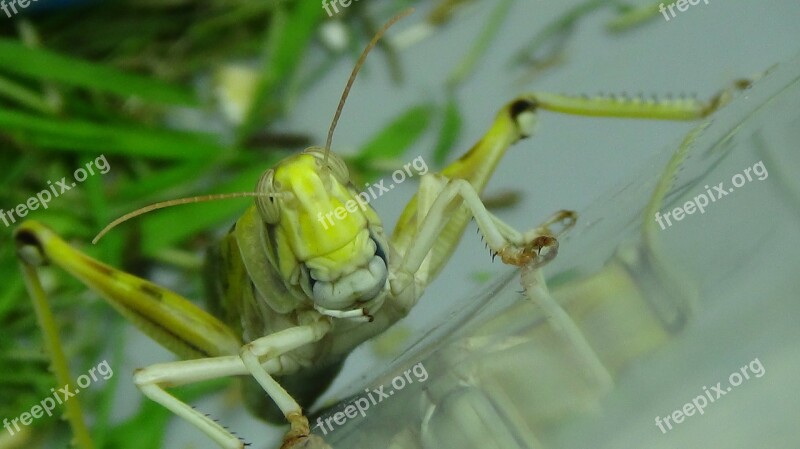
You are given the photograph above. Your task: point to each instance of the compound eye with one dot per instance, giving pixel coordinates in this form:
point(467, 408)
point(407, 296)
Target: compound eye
point(335, 163)
point(267, 205)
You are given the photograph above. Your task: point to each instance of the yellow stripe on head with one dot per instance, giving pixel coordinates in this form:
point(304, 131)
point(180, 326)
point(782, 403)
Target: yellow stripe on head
point(316, 219)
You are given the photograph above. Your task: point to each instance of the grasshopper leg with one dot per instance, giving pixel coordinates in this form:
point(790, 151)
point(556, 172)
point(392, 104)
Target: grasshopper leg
point(512, 246)
point(273, 347)
point(153, 380)
point(168, 318)
point(209, 345)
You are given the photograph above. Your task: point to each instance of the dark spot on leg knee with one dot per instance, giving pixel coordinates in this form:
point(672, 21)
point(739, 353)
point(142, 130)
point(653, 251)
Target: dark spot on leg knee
point(520, 106)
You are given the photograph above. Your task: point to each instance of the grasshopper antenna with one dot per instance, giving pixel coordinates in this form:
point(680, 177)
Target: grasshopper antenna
point(224, 196)
point(177, 202)
point(353, 74)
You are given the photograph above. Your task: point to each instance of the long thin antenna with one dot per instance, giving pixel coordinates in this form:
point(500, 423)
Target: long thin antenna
point(176, 202)
point(353, 74)
point(224, 196)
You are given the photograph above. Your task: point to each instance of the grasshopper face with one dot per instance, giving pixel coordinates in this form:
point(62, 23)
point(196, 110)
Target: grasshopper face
point(326, 239)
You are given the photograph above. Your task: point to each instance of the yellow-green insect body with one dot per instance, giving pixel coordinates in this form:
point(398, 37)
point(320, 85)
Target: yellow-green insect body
point(264, 271)
point(341, 267)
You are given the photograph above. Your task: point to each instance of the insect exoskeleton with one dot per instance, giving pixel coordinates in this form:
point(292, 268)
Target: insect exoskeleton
point(323, 237)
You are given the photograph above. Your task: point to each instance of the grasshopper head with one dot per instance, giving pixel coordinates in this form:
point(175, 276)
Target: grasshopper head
point(326, 238)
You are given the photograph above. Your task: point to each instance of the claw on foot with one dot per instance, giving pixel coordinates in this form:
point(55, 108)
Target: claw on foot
point(565, 219)
point(531, 254)
point(298, 433)
point(307, 442)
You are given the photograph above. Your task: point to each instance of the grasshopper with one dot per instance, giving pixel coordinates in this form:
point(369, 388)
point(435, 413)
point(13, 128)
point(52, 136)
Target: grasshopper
point(290, 296)
point(507, 376)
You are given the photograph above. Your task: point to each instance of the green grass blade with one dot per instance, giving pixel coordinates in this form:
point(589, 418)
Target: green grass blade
point(629, 18)
point(401, 133)
point(46, 65)
point(287, 40)
point(24, 96)
point(448, 135)
point(170, 226)
point(481, 45)
point(551, 39)
point(155, 184)
point(82, 136)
